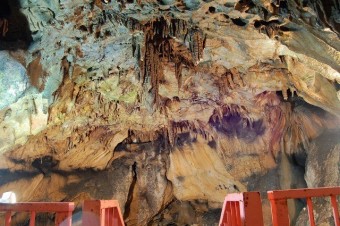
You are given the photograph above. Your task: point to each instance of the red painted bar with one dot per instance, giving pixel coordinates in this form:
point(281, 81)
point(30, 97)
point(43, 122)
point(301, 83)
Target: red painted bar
point(303, 193)
point(63, 211)
point(335, 210)
point(280, 215)
point(102, 213)
point(32, 218)
point(242, 209)
point(8, 218)
point(310, 211)
point(238, 215)
point(278, 201)
point(38, 206)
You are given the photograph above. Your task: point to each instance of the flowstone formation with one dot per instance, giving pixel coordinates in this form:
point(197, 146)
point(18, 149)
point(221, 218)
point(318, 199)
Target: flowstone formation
point(168, 105)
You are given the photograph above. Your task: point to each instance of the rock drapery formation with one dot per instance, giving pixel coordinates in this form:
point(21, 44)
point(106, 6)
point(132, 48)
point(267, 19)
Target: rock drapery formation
point(168, 105)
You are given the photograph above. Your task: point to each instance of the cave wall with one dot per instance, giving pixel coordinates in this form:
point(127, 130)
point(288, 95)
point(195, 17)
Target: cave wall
point(168, 106)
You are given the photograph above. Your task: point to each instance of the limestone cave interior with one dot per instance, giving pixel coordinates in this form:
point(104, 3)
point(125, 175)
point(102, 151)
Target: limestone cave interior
point(169, 105)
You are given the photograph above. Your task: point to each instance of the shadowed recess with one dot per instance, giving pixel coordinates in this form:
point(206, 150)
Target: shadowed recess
point(232, 124)
point(14, 27)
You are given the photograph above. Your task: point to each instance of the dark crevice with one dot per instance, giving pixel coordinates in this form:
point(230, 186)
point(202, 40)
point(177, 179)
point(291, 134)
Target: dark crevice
point(45, 164)
point(337, 86)
point(212, 9)
point(239, 21)
point(297, 101)
point(18, 34)
point(259, 23)
point(131, 190)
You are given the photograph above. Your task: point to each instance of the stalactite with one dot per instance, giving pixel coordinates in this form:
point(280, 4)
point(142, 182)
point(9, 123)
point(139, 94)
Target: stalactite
point(301, 127)
point(152, 68)
point(285, 93)
point(129, 22)
point(231, 80)
point(178, 71)
point(226, 110)
point(231, 83)
point(194, 128)
point(237, 77)
point(235, 121)
point(181, 52)
point(163, 134)
point(160, 44)
point(278, 118)
point(196, 45)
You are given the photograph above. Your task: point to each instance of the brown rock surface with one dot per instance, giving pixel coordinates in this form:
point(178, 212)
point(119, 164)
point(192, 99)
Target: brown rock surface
point(168, 106)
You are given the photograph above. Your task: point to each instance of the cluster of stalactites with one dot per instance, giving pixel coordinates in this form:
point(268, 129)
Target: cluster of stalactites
point(165, 42)
point(291, 128)
point(304, 126)
point(170, 133)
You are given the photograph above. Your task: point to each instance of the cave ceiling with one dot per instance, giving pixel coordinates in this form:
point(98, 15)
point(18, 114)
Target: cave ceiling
point(169, 85)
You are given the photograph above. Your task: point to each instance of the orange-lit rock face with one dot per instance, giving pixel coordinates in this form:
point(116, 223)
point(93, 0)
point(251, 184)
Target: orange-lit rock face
point(167, 106)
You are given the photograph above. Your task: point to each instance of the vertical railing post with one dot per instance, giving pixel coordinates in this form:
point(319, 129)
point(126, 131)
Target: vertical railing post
point(111, 216)
point(91, 213)
point(229, 213)
point(335, 210)
point(238, 214)
point(102, 217)
point(102, 213)
point(233, 213)
point(116, 217)
point(8, 218)
point(310, 211)
point(107, 217)
point(32, 218)
point(252, 207)
point(280, 214)
point(242, 209)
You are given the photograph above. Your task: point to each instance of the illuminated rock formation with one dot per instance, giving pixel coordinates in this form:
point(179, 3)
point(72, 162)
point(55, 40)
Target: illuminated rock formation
point(169, 105)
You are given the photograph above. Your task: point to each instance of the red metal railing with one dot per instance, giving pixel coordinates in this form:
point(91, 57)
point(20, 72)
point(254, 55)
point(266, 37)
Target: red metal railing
point(242, 209)
point(102, 213)
point(63, 211)
point(278, 201)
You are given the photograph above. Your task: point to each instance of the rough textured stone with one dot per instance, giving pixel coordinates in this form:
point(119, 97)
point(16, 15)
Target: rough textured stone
point(169, 105)
point(28, 116)
point(13, 80)
point(322, 170)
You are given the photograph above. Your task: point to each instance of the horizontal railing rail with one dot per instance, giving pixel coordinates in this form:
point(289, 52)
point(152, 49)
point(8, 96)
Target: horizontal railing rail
point(63, 211)
point(278, 201)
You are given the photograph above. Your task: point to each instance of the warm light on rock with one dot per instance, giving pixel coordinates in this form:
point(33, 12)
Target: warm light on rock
point(169, 105)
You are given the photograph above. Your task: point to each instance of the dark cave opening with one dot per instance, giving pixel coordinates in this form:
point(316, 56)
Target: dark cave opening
point(296, 101)
point(14, 27)
point(239, 21)
point(337, 86)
